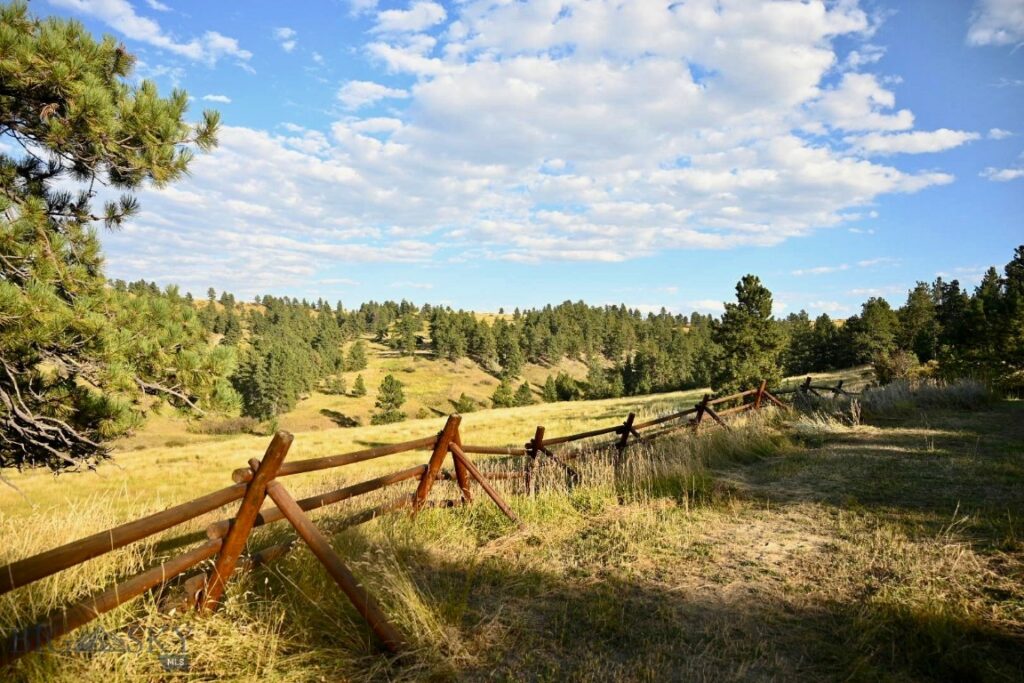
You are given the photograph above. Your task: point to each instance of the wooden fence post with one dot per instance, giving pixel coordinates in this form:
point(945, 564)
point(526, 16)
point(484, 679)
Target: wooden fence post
point(444, 438)
point(620, 453)
point(360, 598)
point(806, 386)
point(838, 389)
point(760, 394)
point(237, 535)
point(701, 407)
point(533, 450)
point(461, 473)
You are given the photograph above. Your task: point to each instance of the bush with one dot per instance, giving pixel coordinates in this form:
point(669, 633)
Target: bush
point(229, 425)
point(890, 367)
point(464, 404)
point(335, 386)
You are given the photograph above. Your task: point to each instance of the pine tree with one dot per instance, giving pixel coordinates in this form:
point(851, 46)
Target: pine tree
point(390, 398)
point(523, 395)
point(749, 339)
point(549, 393)
point(356, 359)
point(70, 378)
point(359, 386)
point(503, 397)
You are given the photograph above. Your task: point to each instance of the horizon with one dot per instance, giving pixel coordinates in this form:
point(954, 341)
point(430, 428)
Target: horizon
point(391, 150)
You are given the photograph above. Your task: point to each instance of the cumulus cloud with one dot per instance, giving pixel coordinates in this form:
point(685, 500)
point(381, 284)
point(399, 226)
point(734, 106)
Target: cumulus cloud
point(223, 99)
point(999, 134)
point(916, 142)
point(356, 94)
point(996, 22)
point(420, 15)
point(538, 131)
point(121, 16)
point(158, 6)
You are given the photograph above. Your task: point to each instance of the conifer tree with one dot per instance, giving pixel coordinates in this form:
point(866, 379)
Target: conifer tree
point(503, 397)
point(523, 395)
point(359, 386)
point(390, 397)
point(356, 359)
point(749, 338)
point(70, 378)
point(549, 393)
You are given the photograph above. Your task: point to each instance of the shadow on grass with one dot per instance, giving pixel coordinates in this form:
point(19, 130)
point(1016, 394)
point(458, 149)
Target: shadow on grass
point(338, 418)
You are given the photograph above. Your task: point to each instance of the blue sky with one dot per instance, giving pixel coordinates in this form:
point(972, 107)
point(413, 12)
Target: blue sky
point(489, 153)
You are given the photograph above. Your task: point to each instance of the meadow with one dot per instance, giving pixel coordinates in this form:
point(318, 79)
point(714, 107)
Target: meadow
point(793, 547)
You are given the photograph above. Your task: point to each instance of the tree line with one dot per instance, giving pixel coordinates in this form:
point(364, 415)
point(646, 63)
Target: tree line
point(83, 360)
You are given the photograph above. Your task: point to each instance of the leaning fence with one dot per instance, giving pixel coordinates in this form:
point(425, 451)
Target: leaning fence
point(227, 539)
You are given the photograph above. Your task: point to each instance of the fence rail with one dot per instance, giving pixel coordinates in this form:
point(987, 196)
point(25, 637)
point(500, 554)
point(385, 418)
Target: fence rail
point(261, 479)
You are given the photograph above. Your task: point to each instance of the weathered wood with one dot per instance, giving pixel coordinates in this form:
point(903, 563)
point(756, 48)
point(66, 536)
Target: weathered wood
point(461, 475)
point(30, 569)
point(192, 587)
point(327, 462)
point(664, 418)
point(736, 409)
point(241, 527)
point(484, 484)
point(701, 408)
point(731, 397)
point(270, 515)
point(710, 411)
point(533, 450)
point(360, 598)
point(620, 452)
point(494, 450)
point(760, 394)
point(62, 621)
point(441, 443)
point(582, 435)
point(776, 401)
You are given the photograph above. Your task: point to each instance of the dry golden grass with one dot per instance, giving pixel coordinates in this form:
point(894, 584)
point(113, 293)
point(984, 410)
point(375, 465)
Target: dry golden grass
point(781, 550)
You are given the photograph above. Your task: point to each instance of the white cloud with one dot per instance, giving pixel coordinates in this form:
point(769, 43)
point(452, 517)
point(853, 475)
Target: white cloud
point(121, 16)
point(318, 58)
point(860, 102)
point(878, 261)
point(158, 6)
point(999, 134)
point(286, 38)
point(1002, 175)
point(828, 307)
point(605, 132)
point(916, 142)
point(223, 99)
point(420, 15)
point(356, 94)
point(996, 22)
point(821, 270)
point(706, 305)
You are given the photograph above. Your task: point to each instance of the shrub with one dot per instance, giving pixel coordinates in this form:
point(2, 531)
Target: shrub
point(335, 385)
point(228, 425)
point(890, 367)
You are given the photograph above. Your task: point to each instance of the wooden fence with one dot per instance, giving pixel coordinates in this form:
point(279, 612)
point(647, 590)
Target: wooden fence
point(226, 539)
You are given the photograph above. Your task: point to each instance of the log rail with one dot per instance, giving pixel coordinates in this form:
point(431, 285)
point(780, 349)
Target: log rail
point(261, 479)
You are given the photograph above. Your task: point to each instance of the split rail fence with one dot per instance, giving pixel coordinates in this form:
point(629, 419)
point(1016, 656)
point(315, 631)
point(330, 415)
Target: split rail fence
point(227, 539)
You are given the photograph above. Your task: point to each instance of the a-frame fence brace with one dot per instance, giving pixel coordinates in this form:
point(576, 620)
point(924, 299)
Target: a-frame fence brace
point(261, 479)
